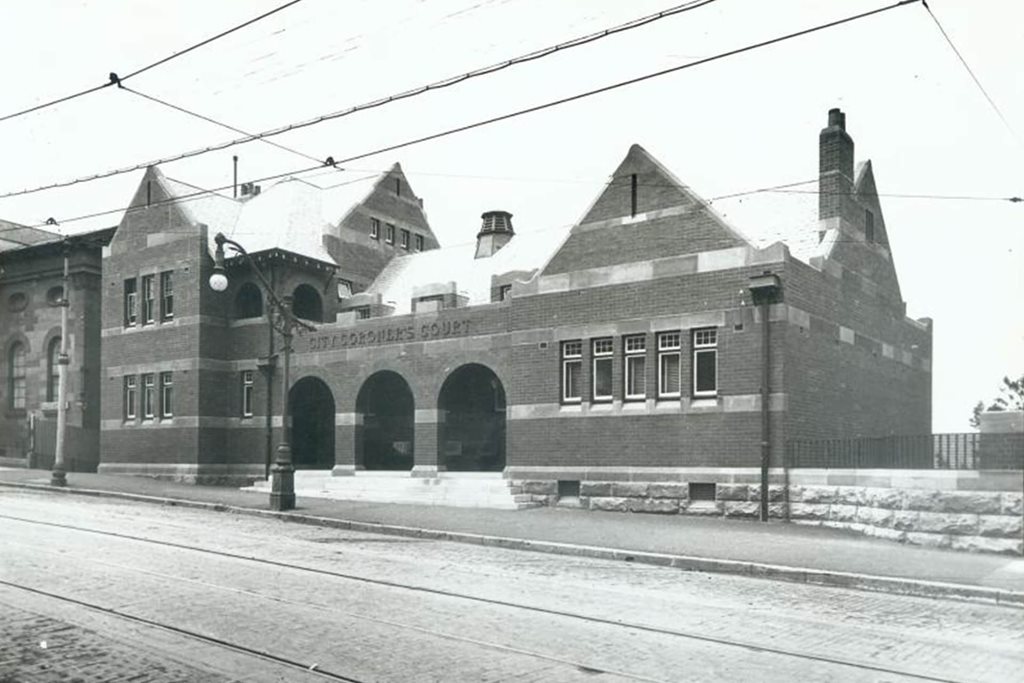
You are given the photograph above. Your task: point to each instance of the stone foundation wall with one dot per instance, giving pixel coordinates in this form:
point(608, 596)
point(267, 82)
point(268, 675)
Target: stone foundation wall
point(961, 510)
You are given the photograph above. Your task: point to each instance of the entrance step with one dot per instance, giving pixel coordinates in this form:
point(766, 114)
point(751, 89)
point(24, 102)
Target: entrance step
point(457, 489)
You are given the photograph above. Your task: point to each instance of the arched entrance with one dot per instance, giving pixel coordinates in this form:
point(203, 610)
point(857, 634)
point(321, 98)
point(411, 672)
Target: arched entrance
point(471, 432)
point(311, 406)
point(385, 439)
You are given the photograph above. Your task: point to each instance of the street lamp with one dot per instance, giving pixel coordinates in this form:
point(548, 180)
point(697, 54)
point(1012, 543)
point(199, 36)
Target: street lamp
point(282, 319)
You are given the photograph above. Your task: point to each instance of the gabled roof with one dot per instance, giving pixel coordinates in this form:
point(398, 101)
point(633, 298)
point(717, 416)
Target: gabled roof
point(291, 215)
point(16, 236)
point(526, 253)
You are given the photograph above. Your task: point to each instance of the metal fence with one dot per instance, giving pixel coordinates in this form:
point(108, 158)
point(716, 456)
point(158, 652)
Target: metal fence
point(964, 451)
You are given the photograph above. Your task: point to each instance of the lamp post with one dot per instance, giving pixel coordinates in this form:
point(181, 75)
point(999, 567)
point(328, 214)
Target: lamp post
point(59, 477)
point(282, 319)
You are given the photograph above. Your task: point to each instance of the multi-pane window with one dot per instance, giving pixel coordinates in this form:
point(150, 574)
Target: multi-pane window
point(705, 362)
point(363, 313)
point(669, 364)
point(405, 239)
point(148, 396)
point(131, 296)
point(148, 298)
point(131, 396)
point(602, 375)
point(247, 390)
point(419, 242)
point(166, 394)
point(389, 235)
point(16, 376)
point(53, 369)
point(635, 362)
point(166, 295)
point(375, 228)
point(572, 369)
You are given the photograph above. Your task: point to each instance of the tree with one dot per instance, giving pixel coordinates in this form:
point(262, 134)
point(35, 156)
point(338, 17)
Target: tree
point(1011, 397)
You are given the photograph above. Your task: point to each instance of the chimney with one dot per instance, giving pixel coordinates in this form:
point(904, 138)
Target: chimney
point(495, 233)
point(835, 166)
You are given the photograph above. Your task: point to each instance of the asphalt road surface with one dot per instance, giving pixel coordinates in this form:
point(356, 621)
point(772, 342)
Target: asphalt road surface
point(100, 590)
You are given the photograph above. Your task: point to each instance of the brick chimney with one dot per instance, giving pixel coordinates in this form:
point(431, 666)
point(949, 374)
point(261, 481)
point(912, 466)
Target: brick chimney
point(495, 233)
point(835, 166)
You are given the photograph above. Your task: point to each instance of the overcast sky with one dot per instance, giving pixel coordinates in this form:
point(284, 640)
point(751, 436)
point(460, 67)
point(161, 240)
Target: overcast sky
point(737, 124)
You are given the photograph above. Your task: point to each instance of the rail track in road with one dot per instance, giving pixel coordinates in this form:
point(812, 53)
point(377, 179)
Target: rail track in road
point(294, 567)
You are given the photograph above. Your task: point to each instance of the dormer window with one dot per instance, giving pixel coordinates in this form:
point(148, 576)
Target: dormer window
point(405, 239)
point(389, 236)
point(375, 228)
point(419, 242)
point(504, 292)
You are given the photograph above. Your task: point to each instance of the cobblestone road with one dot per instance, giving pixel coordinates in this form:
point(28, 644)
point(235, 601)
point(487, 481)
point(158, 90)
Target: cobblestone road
point(388, 608)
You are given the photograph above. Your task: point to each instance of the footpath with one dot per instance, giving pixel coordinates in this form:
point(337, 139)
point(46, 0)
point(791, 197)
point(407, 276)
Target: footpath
point(776, 550)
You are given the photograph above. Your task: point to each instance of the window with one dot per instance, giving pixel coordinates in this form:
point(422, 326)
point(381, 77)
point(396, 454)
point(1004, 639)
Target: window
point(389, 236)
point(405, 239)
point(166, 394)
point(869, 226)
point(130, 302)
point(635, 362)
point(53, 369)
point(419, 242)
point(632, 195)
point(375, 228)
point(572, 368)
point(306, 304)
point(166, 295)
point(363, 313)
point(668, 364)
point(248, 301)
point(504, 292)
point(148, 397)
point(131, 391)
point(247, 389)
point(705, 362)
point(16, 376)
point(148, 298)
point(602, 377)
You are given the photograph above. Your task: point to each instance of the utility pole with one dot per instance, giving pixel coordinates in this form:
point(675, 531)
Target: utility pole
point(58, 476)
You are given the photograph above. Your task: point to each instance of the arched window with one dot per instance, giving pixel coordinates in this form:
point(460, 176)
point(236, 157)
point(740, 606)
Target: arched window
point(306, 304)
point(16, 398)
point(248, 301)
point(52, 369)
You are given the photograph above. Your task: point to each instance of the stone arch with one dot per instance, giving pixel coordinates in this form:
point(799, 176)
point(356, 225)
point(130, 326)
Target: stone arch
point(248, 301)
point(385, 428)
point(311, 409)
point(471, 420)
point(307, 303)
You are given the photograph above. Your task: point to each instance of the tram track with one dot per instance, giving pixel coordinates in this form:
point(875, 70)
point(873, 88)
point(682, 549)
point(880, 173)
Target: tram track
point(294, 567)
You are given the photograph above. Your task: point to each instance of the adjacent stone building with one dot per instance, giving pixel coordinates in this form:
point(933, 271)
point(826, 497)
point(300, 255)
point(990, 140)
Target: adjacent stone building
point(31, 289)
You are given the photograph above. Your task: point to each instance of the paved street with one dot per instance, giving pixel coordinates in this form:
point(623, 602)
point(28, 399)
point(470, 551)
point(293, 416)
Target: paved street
point(101, 590)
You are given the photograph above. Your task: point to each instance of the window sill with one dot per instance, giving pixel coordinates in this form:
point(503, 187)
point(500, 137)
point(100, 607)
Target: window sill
point(571, 408)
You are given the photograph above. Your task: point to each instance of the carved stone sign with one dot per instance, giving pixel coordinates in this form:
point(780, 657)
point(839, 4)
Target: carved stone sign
point(402, 334)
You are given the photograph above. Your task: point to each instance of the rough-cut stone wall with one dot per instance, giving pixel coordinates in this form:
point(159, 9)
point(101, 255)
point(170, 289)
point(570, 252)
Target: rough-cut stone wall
point(960, 510)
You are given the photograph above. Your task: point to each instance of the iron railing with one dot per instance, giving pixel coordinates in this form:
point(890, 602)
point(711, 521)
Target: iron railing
point(963, 451)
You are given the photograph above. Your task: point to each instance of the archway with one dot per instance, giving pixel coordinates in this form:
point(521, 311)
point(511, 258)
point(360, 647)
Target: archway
point(306, 304)
point(385, 439)
point(311, 406)
point(471, 432)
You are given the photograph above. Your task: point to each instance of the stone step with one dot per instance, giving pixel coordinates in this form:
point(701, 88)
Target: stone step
point(462, 489)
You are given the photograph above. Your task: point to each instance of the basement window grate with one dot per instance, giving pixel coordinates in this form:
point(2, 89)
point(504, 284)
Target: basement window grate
point(702, 491)
point(568, 488)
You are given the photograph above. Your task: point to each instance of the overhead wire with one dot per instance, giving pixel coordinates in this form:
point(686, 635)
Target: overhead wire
point(114, 79)
point(970, 72)
point(531, 56)
point(437, 85)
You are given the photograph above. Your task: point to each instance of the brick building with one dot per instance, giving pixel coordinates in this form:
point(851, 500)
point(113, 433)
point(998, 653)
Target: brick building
point(627, 348)
point(31, 289)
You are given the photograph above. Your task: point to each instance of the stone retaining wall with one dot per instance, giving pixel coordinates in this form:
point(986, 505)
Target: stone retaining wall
point(961, 510)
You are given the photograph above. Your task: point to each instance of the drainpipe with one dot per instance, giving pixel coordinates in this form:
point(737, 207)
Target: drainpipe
point(765, 289)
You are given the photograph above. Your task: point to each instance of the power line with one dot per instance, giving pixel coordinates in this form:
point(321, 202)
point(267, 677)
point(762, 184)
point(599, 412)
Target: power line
point(437, 85)
point(114, 79)
point(970, 71)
